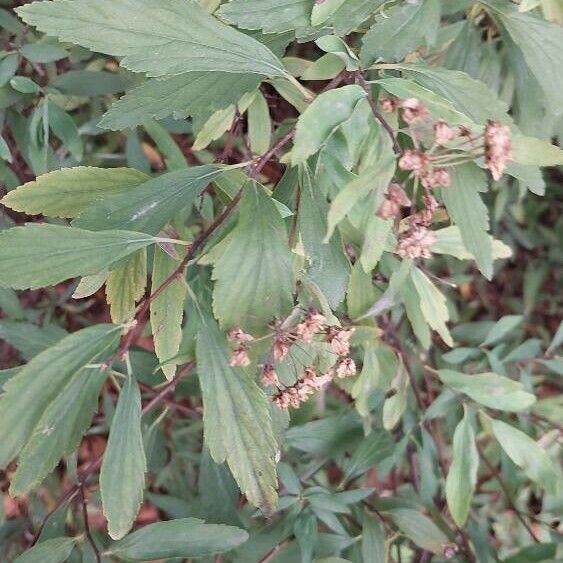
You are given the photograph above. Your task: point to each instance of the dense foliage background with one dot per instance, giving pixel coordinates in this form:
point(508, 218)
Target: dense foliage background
point(280, 280)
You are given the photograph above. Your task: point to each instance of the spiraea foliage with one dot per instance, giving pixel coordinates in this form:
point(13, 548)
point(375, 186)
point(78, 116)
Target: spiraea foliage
point(278, 280)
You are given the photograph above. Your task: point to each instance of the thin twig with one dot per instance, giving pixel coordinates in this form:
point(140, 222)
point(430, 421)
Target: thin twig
point(362, 81)
point(496, 473)
point(87, 525)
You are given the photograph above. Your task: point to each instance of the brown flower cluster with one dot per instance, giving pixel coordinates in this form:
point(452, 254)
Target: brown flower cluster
point(395, 198)
point(431, 166)
point(498, 147)
point(240, 340)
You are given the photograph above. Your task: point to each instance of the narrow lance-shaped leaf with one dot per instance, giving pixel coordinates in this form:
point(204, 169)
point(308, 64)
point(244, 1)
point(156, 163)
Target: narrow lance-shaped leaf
point(167, 311)
point(164, 38)
point(489, 389)
point(67, 192)
point(59, 430)
point(152, 205)
point(56, 550)
point(528, 455)
point(182, 537)
point(237, 424)
point(122, 477)
point(38, 255)
point(462, 475)
point(469, 213)
point(27, 395)
point(125, 286)
point(254, 274)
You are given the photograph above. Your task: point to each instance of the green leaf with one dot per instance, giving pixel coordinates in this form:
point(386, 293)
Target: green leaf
point(27, 395)
point(198, 94)
point(401, 30)
point(469, 96)
point(59, 429)
point(29, 339)
point(489, 389)
point(469, 213)
point(24, 85)
point(374, 448)
point(271, 16)
point(43, 53)
point(254, 274)
point(89, 83)
point(150, 206)
point(122, 477)
point(67, 192)
point(462, 475)
point(373, 540)
point(172, 37)
point(532, 151)
point(323, 10)
point(502, 328)
point(183, 537)
point(449, 242)
point(236, 419)
point(319, 121)
point(126, 285)
point(528, 455)
point(167, 311)
point(259, 124)
point(352, 13)
point(57, 550)
point(432, 304)
point(38, 255)
point(328, 268)
point(420, 529)
point(540, 43)
point(63, 126)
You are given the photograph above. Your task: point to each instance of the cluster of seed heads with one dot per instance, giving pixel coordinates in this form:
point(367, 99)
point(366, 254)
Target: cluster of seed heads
point(450, 146)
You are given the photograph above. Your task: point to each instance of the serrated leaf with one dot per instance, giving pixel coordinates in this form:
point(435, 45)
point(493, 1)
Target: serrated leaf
point(489, 389)
point(448, 241)
point(167, 312)
point(183, 537)
point(403, 29)
point(236, 419)
point(67, 192)
point(198, 94)
point(462, 475)
point(420, 529)
point(469, 96)
point(56, 550)
point(122, 477)
point(352, 13)
point(528, 455)
point(149, 207)
point(89, 285)
point(59, 429)
point(532, 151)
point(432, 304)
point(126, 285)
point(254, 274)
point(171, 37)
point(540, 43)
point(328, 268)
point(27, 395)
point(39, 255)
point(322, 118)
point(323, 10)
point(271, 16)
point(469, 213)
point(502, 328)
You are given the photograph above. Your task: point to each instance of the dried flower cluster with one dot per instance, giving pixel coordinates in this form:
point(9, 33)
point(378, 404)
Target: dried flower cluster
point(450, 147)
point(314, 323)
point(240, 339)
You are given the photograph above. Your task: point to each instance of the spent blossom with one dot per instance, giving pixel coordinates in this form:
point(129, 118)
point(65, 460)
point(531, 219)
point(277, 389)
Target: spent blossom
point(443, 133)
point(414, 110)
point(236, 334)
point(339, 340)
point(313, 323)
point(269, 376)
point(498, 147)
point(240, 357)
point(416, 242)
